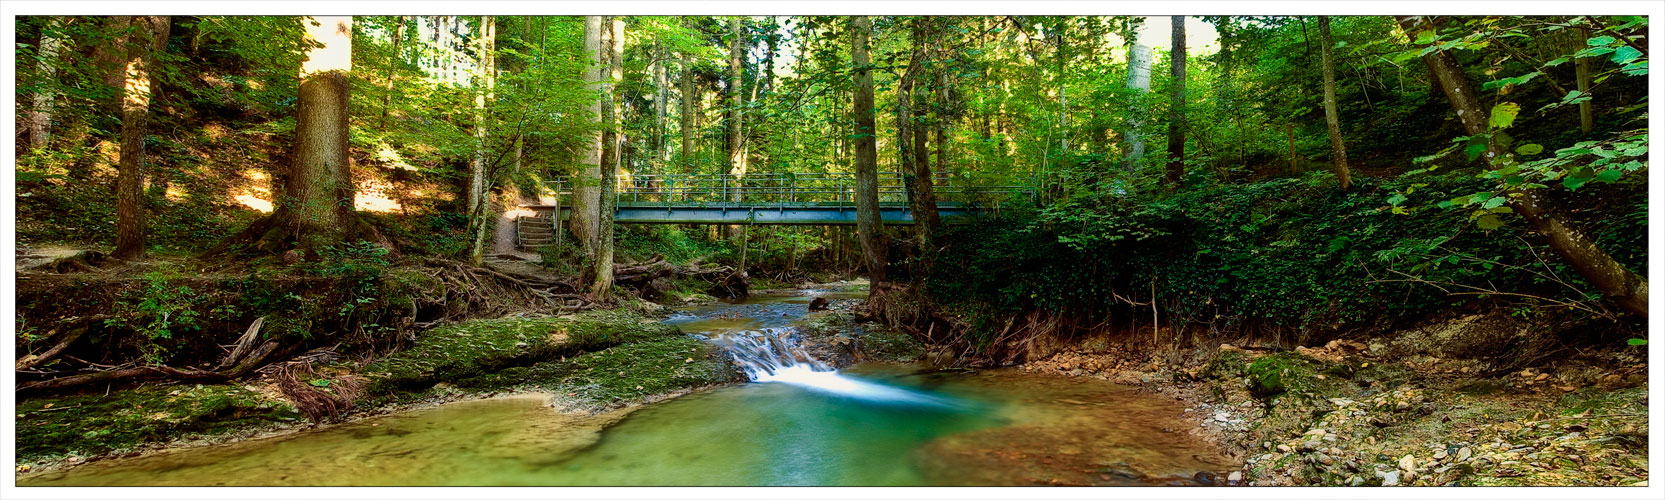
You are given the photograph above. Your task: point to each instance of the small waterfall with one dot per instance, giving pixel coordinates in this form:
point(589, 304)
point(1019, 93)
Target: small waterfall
point(771, 355)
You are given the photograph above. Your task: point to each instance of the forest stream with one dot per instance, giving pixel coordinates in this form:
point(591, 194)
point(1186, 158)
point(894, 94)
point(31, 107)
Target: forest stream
point(798, 422)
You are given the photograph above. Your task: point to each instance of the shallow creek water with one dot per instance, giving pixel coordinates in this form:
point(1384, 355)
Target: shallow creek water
point(800, 423)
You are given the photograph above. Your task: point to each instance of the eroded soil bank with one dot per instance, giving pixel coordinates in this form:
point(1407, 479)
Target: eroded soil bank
point(1409, 408)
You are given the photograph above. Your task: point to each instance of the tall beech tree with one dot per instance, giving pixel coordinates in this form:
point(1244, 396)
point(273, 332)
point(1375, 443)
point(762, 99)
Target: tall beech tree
point(868, 224)
point(150, 37)
point(586, 183)
point(479, 176)
point(1618, 283)
point(1332, 116)
point(612, 148)
point(46, 73)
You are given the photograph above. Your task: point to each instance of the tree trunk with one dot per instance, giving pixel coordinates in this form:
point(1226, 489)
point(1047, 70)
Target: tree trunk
point(736, 102)
point(868, 223)
point(687, 100)
point(392, 66)
point(602, 288)
point(479, 180)
point(1581, 68)
point(1626, 289)
point(1138, 79)
point(320, 182)
point(921, 194)
point(661, 94)
point(586, 186)
point(1176, 109)
point(1294, 164)
point(112, 60)
point(46, 77)
point(152, 32)
point(1332, 116)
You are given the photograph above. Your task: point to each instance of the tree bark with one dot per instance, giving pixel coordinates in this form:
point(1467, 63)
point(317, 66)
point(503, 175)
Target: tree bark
point(1623, 287)
point(1581, 68)
point(602, 288)
point(688, 131)
point(46, 76)
point(111, 58)
point(392, 66)
point(868, 223)
point(139, 90)
point(1138, 79)
point(319, 192)
point(1332, 116)
point(479, 180)
point(1176, 109)
point(586, 186)
point(736, 104)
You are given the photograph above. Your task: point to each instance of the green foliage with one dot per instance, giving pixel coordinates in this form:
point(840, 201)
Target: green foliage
point(91, 424)
point(1281, 254)
point(159, 310)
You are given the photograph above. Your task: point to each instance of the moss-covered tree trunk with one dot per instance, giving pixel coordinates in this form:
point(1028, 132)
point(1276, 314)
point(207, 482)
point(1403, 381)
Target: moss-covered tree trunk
point(586, 185)
point(1621, 286)
point(1332, 116)
point(868, 223)
point(479, 175)
point(612, 143)
point(151, 33)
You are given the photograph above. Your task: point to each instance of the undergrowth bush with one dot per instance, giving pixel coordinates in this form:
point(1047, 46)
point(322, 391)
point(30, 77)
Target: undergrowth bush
point(1279, 255)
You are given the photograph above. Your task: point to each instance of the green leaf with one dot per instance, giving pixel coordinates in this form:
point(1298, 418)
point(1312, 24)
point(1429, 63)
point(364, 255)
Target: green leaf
point(1600, 41)
point(1494, 202)
point(1503, 114)
point(1529, 149)
point(1574, 182)
point(1425, 38)
point(1489, 222)
point(1637, 342)
point(1555, 62)
point(1626, 54)
point(1396, 199)
point(1609, 175)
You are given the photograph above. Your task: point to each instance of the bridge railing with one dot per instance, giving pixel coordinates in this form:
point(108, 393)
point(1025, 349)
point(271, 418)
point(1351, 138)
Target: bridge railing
point(791, 189)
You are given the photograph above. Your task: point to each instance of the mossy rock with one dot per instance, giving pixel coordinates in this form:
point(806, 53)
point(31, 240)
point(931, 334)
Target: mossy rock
point(92, 424)
point(619, 374)
point(1273, 375)
point(479, 347)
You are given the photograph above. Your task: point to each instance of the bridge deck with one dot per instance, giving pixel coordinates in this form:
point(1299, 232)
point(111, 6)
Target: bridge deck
point(759, 214)
point(776, 199)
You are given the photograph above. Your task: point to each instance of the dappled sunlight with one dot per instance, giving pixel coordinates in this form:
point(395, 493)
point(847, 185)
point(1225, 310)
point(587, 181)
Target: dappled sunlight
point(254, 202)
point(375, 196)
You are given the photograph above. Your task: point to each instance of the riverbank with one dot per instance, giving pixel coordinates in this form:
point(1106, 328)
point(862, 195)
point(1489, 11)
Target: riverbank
point(1398, 409)
point(595, 365)
point(592, 363)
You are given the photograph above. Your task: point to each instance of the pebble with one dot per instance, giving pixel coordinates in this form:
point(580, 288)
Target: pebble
point(1235, 477)
point(1390, 478)
point(1464, 453)
point(1407, 463)
point(1324, 459)
point(1284, 448)
point(1221, 417)
point(1439, 455)
point(1356, 480)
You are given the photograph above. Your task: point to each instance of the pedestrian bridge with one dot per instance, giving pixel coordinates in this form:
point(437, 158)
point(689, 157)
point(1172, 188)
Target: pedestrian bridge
point(769, 199)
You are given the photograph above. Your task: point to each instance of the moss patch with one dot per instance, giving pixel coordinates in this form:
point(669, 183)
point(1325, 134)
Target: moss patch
point(619, 374)
point(480, 347)
point(91, 424)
